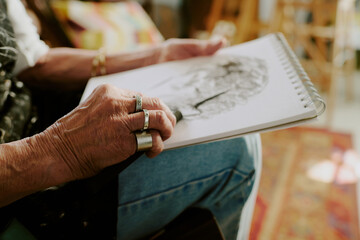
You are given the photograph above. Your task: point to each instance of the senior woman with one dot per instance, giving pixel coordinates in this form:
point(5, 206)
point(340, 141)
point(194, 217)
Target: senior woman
point(100, 132)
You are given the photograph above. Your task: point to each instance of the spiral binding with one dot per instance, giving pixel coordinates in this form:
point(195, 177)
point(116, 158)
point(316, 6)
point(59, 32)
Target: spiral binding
point(304, 88)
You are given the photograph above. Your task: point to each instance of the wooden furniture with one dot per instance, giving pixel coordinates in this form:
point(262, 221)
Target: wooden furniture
point(242, 13)
point(319, 31)
point(344, 53)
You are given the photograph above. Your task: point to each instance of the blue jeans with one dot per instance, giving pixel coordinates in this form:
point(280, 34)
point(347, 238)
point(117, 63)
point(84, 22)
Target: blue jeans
point(218, 176)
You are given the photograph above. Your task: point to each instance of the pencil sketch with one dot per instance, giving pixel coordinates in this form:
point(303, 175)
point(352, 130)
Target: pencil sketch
point(212, 88)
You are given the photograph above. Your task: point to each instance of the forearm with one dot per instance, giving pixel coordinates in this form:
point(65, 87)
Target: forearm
point(70, 68)
point(27, 166)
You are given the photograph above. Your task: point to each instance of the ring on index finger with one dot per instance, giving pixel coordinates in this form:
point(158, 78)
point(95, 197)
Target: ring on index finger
point(138, 103)
point(143, 141)
point(146, 120)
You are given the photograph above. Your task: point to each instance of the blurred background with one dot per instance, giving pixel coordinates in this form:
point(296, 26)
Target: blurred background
point(309, 184)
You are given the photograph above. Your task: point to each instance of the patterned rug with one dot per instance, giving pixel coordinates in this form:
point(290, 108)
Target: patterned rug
point(308, 187)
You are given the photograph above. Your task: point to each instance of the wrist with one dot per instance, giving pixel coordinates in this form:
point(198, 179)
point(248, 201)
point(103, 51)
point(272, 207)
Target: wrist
point(27, 166)
point(118, 62)
point(45, 146)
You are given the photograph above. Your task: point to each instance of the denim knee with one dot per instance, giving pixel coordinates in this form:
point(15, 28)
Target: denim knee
point(217, 176)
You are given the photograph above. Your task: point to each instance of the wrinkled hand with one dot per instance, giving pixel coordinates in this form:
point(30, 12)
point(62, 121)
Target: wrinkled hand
point(179, 49)
point(100, 131)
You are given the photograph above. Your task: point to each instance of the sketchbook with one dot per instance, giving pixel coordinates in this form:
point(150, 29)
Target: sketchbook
point(252, 87)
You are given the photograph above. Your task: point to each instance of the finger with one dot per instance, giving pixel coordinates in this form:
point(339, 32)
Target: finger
point(129, 100)
point(151, 103)
point(201, 47)
point(158, 104)
point(158, 120)
point(126, 98)
point(157, 144)
point(115, 97)
point(211, 46)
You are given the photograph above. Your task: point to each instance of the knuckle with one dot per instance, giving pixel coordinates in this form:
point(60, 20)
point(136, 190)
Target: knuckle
point(138, 93)
point(105, 88)
point(115, 123)
point(160, 117)
point(130, 121)
point(156, 102)
point(110, 103)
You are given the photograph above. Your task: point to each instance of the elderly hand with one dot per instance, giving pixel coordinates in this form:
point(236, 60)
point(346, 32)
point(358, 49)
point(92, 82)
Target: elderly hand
point(179, 49)
point(100, 131)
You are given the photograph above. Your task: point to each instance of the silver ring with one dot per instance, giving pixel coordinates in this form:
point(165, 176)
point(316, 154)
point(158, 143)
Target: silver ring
point(138, 103)
point(143, 141)
point(146, 121)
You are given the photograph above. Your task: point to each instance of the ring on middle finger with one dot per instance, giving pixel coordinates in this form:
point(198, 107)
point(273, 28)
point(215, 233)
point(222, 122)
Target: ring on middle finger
point(146, 120)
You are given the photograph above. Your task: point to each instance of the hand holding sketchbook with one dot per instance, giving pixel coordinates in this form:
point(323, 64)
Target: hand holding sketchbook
point(252, 87)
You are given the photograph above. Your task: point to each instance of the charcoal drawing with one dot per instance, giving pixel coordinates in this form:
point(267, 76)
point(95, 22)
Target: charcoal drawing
point(215, 86)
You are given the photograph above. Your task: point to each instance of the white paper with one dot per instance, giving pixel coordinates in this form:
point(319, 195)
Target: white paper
point(241, 89)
